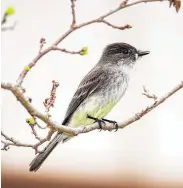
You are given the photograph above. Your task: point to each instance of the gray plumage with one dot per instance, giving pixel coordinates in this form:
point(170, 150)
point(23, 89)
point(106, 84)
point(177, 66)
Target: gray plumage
point(97, 93)
point(91, 83)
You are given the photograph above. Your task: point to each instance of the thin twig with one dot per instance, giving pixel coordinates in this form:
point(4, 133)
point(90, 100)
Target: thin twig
point(4, 19)
point(39, 126)
point(73, 13)
point(149, 95)
point(9, 27)
point(49, 102)
point(47, 138)
point(116, 27)
point(67, 51)
point(42, 43)
point(12, 142)
point(32, 122)
point(34, 132)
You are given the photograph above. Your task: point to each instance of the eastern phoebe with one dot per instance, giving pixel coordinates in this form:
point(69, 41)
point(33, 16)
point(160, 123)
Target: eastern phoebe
point(99, 91)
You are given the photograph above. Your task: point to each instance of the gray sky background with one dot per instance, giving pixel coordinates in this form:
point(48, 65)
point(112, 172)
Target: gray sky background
point(152, 146)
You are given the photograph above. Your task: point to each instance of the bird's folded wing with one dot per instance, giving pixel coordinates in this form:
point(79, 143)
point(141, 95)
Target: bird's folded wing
point(92, 82)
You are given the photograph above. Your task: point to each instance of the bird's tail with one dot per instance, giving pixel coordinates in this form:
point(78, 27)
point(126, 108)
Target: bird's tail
point(41, 157)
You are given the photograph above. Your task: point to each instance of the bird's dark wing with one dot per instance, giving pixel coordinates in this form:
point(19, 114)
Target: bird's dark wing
point(90, 84)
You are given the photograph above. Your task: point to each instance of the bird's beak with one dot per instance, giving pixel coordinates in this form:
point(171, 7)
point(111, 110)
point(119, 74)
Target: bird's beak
point(142, 53)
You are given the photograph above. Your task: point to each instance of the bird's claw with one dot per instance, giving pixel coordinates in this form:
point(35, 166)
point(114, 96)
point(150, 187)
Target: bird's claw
point(116, 125)
point(100, 122)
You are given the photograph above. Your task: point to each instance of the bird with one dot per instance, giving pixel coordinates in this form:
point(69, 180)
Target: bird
point(98, 92)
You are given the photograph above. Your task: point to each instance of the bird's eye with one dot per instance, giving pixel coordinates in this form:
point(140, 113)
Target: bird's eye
point(125, 51)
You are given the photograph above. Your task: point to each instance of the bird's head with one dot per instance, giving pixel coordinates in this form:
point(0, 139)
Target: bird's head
point(121, 54)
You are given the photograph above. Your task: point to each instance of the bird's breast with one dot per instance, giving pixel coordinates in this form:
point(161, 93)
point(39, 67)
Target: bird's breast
point(116, 86)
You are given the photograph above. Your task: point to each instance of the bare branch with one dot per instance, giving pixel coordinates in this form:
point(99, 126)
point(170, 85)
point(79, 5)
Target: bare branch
point(135, 117)
point(47, 138)
point(35, 133)
point(49, 102)
point(73, 13)
point(116, 27)
point(4, 19)
point(39, 126)
point(9, 27)
point(148, 95)
point(83, 129)
point(30, 108)
point(60, 39)
point(67, 51)
point(12, 142)
point(35, 60)
point(42, 43)
point(101, 18)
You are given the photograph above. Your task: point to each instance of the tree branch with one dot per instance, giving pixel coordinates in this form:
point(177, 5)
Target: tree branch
point(73, 13)
point(12, 142)
point(67, 51)
point(67, 33)
point(116, 27)
point(83, 129)
point(9, 27)
point(149, 95)
point(49, 102)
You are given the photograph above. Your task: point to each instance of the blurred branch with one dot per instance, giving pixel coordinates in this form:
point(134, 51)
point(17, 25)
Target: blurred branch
point(9, 11)
point(9, 27)
point(176, 4)
point(4, 19)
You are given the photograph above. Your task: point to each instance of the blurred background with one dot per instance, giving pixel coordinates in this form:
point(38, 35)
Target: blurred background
point(148, 153)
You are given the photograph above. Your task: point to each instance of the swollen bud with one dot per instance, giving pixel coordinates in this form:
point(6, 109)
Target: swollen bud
point(84, 51)
point(27, 68)
point(31, 121)
point(10, 11)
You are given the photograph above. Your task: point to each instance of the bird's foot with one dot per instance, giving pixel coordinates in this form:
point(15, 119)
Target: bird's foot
point(99, 121)
point(111, 121)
